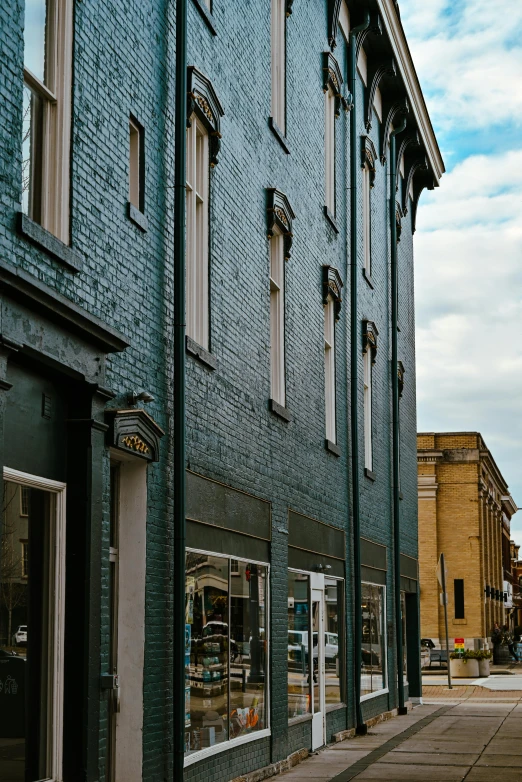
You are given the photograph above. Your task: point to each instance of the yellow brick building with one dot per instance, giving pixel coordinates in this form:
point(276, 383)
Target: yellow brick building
point(464, 511)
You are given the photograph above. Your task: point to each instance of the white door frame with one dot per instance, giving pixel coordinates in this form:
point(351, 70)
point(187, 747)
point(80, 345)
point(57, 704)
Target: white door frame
point(57, 490)
point(317, 592)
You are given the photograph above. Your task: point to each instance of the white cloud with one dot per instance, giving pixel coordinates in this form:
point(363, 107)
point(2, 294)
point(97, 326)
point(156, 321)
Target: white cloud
point(468, 58)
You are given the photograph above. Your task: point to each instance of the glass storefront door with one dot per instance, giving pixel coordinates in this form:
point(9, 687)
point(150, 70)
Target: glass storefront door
point(32, 555)
point(318, 661)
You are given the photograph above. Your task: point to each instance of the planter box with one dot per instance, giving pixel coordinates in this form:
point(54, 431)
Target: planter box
point(464, 669)
point(484, 669)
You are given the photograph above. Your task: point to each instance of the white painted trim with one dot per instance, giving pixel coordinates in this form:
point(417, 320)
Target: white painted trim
point(57, 489)
point(404, 60)
point(226, 745)
point(344, 20)
point(278, 63)
point(374, 694)
point(362, 66)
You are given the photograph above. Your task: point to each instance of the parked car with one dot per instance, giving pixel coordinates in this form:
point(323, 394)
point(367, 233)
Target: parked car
point(20, 637)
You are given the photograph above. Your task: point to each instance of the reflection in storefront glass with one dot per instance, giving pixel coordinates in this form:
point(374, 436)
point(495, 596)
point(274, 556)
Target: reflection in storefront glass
point(225, 651)
point(333, 653)
point(299, 701)
point(25, 572)
point(373, 676)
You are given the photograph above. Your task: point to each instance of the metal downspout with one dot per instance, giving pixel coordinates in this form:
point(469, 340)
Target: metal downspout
point(354, 380)
point(395, 418)
point(180, 151)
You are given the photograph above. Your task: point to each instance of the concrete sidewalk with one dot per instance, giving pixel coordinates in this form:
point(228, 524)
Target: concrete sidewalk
point(435, 742)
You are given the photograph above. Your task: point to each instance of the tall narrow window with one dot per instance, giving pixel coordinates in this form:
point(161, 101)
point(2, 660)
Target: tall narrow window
point(136, 166)
point(197, 233)
point(458, 590)
point(329, 149)
point(370, 335)
point(277, 319)
point(203, 135)
point(368, 445)
point(367, 250)
point(278, 45)
point(279, 215)
point(332, 88)
point(329, 369)
point(47, 114)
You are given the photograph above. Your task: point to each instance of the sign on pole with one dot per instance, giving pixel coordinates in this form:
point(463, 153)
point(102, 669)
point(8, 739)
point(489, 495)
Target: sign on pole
point(459, 643)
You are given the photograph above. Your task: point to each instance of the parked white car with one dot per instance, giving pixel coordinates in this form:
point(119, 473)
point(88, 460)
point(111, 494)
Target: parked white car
point(20, 637)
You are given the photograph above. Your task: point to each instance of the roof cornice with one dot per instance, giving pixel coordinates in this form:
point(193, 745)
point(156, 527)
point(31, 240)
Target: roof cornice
point(404, 60)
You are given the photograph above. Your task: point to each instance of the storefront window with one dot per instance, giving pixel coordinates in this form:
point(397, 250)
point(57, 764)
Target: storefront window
point(225, 649)
point(299, 701)
point(333, 637)
point(373, 665)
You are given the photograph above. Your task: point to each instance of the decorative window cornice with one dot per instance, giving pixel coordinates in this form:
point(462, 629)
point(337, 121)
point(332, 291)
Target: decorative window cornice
point(369, 335)
point(288, 7)
point(135, 432)
point(279, 214)
point(420, 164)
point(332, 286)
point(377, 71)
point(368, 157)
point(398, 109)
point(203, 101)
point(332, 77)
point(400, 377)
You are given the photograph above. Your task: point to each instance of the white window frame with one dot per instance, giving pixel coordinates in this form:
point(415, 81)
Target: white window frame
point(55, 144)
point(367, 220)
point(57, 491)
point(278, 63)
point(135, 175)
point(329, 370)
point(386, 689)
point(367, 403)
point(223, 746)
point(197, 233)
point(329, 149)
point(277, 318)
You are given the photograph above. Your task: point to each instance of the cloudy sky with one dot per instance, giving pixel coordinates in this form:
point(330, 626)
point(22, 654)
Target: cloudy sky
point(468, 243)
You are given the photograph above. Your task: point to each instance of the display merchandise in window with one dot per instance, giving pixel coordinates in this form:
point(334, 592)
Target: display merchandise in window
point(299, 699)
point(373, 670)
point(225, 650)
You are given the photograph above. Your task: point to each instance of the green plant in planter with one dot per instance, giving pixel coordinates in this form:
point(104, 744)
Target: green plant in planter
point(471, 654)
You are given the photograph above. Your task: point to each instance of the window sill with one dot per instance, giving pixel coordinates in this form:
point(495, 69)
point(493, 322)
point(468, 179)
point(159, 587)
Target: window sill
point(297, 720)
point(460, 621)
point(278, 134)
point(369, 474)
point(401, 495)
point(50, 243)
point(137, 217)
point(200, 353)
point(331, 219)
point(332, 447)
point(374, 695)
point(207, 16)
point(279, 410)
point(368, 277)
point(224, 746)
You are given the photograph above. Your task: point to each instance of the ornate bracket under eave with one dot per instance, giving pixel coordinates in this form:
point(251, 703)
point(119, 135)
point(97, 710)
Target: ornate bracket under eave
point(418, 165)
point(376, 73)
point(134, 432)
point(399, 214)
point(374, 28)
point(400, 377)
point(397, 110)
point(368, 157)
point(419, 184)
point(409, 142)
point(332, 286)
point(332, 77)
point(203, 101)
point(279, 215)
point(369, 337)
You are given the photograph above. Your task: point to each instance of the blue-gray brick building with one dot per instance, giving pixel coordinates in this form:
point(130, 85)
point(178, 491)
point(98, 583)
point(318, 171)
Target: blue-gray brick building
point(308, 144)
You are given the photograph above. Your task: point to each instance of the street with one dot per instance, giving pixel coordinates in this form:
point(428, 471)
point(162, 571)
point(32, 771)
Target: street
point(469, 733)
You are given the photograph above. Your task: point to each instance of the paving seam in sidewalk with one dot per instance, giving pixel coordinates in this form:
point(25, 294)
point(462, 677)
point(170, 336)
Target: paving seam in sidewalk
point(489, 742)
point(361, 765)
